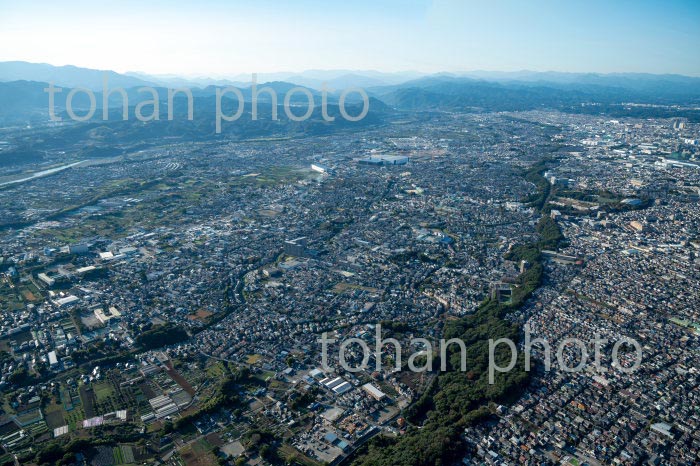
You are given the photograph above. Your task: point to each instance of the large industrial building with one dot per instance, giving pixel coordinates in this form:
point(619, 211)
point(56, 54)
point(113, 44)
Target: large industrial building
point(320, 168)
point(384, 159)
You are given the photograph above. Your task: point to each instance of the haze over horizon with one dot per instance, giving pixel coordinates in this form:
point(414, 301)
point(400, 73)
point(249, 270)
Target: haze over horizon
point(221, 39)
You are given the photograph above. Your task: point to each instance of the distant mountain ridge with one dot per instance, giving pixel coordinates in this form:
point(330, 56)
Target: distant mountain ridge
point(667, 85)
point(24, 99)
point(68, 76)
point(455, 93)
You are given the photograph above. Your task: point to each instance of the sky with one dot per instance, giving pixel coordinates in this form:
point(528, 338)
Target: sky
point(221, 38)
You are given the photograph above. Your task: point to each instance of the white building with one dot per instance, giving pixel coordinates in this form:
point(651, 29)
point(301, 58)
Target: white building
point(53, 360)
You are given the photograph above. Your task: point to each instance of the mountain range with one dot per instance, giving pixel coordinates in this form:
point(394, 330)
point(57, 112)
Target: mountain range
point(22, 96)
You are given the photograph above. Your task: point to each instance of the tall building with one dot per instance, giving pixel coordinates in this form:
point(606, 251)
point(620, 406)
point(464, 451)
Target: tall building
point(295, 247)
point(524, 265)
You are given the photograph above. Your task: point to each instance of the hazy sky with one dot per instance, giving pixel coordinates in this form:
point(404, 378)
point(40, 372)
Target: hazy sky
point(227, 37)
